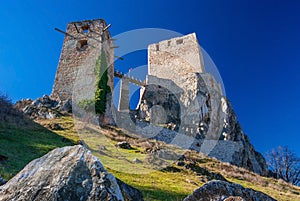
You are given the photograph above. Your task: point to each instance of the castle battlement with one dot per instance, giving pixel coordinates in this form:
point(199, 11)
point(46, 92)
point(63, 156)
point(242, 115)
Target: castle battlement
point(169, 59)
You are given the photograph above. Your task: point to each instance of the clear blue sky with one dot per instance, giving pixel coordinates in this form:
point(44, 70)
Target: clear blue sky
point(255, 45)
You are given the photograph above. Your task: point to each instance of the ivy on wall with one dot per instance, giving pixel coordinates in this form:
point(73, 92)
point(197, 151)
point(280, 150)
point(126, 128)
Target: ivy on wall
point(102, 89)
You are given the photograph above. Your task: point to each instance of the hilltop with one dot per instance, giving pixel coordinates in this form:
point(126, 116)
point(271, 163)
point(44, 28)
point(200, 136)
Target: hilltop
point(174, 182)
point(183, 140)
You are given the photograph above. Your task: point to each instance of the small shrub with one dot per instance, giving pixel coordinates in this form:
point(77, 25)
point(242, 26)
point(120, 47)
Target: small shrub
point(87, 105)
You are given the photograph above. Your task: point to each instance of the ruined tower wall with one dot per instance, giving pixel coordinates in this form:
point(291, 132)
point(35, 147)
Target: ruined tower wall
point(124, 95)
point(170, 59)
point(177, 65)
point(83, 44)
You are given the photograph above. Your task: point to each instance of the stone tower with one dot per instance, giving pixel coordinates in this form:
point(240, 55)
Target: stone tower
point(84, 43)
point(178, 85)
point(180, 56)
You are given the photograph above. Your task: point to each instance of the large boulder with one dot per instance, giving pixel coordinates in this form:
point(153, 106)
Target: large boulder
point(129, 193)
point(67, 174)
point(222, 191)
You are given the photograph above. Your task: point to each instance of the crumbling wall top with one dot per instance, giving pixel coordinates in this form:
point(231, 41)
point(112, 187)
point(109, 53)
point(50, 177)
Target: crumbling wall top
point(174, 58)
point(179, 55)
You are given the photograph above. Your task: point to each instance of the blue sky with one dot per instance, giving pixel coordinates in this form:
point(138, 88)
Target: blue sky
point(254, 44)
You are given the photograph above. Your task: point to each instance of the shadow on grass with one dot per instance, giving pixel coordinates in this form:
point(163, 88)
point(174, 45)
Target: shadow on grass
point(22, 140)
point(158, 194)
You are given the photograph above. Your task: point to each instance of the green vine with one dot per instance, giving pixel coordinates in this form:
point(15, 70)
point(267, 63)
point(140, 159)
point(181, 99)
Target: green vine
point(102, 89)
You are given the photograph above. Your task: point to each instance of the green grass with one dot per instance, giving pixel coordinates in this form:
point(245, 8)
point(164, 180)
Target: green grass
point(21, 144)
point(276, 191)
point(160, 185)
point(66, 122)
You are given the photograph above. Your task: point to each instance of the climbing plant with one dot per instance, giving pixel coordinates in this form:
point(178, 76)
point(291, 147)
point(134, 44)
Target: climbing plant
point(102, 89)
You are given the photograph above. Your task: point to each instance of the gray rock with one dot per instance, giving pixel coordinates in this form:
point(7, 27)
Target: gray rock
point(198, 110)
point(180, 163)
point(167, 154)
point(202, 171)
point(221, 191)
point(67, 174)
point(136, 160)
point(50, 115)
point(82, 143)
point(55, 126)
point(66, 106)
point(35, 103)
point(124, 145)
point(244, 154)
point(2, 181)
point(42, 108)
point(103, 148)
point(234, 198)
point(129, 193)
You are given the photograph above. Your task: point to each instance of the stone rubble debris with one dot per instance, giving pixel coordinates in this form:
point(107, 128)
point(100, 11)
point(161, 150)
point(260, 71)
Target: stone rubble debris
point(44, 107)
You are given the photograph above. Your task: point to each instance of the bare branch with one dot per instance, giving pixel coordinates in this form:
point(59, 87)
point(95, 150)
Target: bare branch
point(285, 164)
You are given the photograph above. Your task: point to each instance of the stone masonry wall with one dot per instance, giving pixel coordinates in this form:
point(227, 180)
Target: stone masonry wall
point(180, 60)
point(78, 58)
point(172, 58)
point(124, 95)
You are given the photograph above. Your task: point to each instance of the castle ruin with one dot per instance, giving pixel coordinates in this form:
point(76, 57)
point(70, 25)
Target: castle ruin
point(178, 96)
point(83, 43)
point(166, 56)
point(191, 96)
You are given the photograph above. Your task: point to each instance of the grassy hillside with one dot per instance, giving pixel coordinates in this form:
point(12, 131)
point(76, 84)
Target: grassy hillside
point(21, 144)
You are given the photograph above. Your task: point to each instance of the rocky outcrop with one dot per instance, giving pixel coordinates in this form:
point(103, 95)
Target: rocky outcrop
point(66, 174)
point(244, 154)
point(198, 110)
point(44, 107)
point(224, 191)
